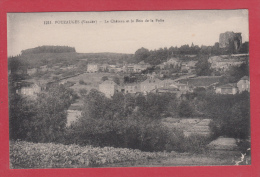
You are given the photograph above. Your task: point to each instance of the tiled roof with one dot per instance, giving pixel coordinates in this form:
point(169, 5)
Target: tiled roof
point(230, 85)
point(203, 81)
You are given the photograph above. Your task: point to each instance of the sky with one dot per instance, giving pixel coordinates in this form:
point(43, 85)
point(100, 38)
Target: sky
point(172, 28)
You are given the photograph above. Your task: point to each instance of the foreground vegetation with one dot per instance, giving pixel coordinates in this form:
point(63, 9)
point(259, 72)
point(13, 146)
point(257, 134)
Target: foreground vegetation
point(49, 155)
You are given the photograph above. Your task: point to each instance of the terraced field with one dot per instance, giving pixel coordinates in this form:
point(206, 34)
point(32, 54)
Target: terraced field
point(190, 126)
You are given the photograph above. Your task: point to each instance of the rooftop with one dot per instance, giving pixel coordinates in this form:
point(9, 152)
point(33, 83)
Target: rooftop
point(202, 81)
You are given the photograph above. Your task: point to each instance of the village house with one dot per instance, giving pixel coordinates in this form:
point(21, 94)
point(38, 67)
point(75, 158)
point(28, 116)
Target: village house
point(230, 88)
point(219, 63)
point(92, 68)
point(164, 72)
point(170, 86)
point(173, 61)
point(192, 64)
point(31, 71)
point(150, 84)
point(184, 67)
point(108, 87)
point(132, 88)
point(141, 66)
point(169, 62)
point(161, 66)
point(103, 67)
point(74, 112)
point(201, 81)
point(44, 68)
point(151, 75)
point(168, 90)
point(111, 68)
point(188, 66)
point(243, 84)
point(129, 68)
point(183, 88)
point(68, 67)
point(28, 88)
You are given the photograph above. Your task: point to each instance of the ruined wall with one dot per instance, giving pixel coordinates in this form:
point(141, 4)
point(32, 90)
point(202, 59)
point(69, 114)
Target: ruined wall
point(230, 41)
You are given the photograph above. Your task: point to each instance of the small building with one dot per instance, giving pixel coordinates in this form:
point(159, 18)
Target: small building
point(31, 71)
point(108, 88)
point(141, 66)
point(164, 72)
point(183, 88)
point(227, 89)
point(243, 84)
point(161, 66)
point(103, 67)
point(170, 89)
point(129, 68)
point(92, 68)
point(173, 61)
point(201, 81)
point(132, 88)
point(74, 112)
point(28, 89)
point(150, 84)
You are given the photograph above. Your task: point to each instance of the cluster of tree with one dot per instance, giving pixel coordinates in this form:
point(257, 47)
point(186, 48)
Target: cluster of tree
point(156, 57)
point(48, 49)
point(203, 67)
point(230, 113)
point(131, 122)
point(134, 78)
point(235, 73)
point(42, 119)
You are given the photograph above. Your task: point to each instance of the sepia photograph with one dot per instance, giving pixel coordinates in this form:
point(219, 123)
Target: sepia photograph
point(128, 89)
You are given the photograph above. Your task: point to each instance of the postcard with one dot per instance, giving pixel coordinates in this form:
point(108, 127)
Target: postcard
point(112, 90)
point(129, 89)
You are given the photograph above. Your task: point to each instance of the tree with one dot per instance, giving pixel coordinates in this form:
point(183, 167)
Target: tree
point(116, 80)
point(202, 67)
point(184, 109)
point(235, 73)
point(83, 92)
point(104, 78)
point(43, 119)
point(141, 54)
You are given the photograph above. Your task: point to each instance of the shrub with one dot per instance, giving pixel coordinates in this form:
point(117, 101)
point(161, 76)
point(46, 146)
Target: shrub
point(104, 78)
point(184, 109)
point(82, 82)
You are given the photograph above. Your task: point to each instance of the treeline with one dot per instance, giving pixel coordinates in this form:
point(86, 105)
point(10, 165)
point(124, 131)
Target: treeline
point(184, 52)
point(48, 49)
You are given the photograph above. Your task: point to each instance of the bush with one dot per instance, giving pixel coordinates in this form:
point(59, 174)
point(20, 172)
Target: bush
point(82, 82)
point(104, 78)
point(184, 109)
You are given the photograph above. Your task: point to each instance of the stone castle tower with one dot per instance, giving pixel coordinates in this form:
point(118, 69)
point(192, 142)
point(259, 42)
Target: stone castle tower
point(230, 40)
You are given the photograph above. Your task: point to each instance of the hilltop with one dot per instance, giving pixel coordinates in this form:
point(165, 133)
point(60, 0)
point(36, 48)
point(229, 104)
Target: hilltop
point(64, 56)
